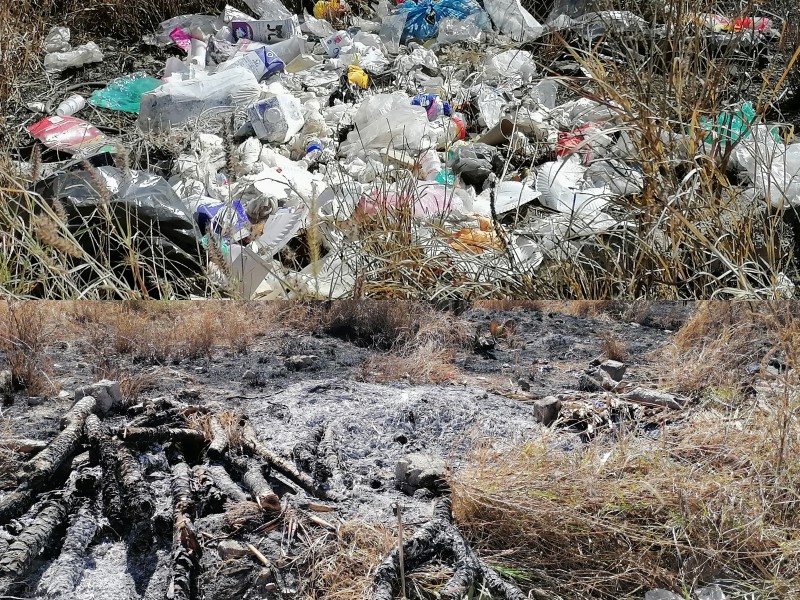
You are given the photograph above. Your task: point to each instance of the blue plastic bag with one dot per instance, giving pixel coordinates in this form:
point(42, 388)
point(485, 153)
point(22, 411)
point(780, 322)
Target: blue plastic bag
point(423, 17)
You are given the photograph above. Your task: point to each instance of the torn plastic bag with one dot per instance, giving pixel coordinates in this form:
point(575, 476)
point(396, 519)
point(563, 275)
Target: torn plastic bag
point(475, 163)
point(452, 30)
point(508, 196)
point(513, 20)
point(125, 93)
point(423, 18)
point(772, 166)
point(559, 182)
point(386, 120)
point(205, 23)
point(572, 9)
point(269, 9)
point(145, 210)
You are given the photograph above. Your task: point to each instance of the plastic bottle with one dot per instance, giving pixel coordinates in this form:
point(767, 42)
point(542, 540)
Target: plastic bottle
point(58, 61)
point(314, 145)
point(433, 105)
point(429, 165)
point(71, 105)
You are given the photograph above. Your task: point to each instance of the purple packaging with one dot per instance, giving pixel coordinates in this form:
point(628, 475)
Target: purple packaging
point(267, 32)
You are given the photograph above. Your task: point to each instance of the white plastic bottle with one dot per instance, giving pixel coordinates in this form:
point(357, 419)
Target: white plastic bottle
point(429, 165)
point(71, 105)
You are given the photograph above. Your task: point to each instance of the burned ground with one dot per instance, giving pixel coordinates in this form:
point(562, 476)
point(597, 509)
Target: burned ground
point(370, 426)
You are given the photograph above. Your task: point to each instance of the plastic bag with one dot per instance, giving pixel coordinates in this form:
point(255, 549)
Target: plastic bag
point(125, 93)
point(269, 9)
point(773, 167)
point(423, 18)
point(452, 30)
point(391, 31)
point(513, 20)
point(166, 233)
point(386, 120)
point(177, 102)
point(509, 65)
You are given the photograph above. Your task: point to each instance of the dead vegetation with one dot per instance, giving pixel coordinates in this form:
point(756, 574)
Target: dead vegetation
point(714, 496)
point(25, 331)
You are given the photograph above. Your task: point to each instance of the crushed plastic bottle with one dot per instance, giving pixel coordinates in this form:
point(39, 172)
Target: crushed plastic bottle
point(55, 62)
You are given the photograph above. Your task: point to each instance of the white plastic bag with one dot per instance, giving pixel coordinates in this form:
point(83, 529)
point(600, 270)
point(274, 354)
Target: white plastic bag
point(773, 167)
point(511, 64)
point(179, 101)
point(269, 9)
point(384, 121)
point(513, 20)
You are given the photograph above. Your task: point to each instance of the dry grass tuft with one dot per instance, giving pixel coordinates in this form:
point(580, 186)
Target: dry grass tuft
point(163, 331)
point(614, 348)
point(342, 569)
point(713, 499)
point(715, 346)
point(420, 340)
point(25, 330)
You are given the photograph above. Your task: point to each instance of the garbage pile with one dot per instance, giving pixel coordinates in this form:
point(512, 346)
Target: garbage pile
point(422, 136)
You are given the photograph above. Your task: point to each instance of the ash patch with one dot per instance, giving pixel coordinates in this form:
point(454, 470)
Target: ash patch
point(378, 424)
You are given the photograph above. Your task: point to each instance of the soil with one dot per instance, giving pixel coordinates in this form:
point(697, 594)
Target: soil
point(375, 425)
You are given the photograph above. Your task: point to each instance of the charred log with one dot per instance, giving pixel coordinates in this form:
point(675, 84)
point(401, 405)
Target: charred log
point(23, 446)
point(306, 451)
point(15, 504)
point(62, 447)
point(219, 439)
point(67, 570)
point(139, 502)
point(254, 481)
point(327, 462)
point(209, 497)
point(225, 483)
point(185, 547)
point(160, 434)
point(103, 451)
point(253, 445)
point(440, 537)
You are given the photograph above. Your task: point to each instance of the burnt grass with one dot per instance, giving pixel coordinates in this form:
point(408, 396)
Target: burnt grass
point(374, 424)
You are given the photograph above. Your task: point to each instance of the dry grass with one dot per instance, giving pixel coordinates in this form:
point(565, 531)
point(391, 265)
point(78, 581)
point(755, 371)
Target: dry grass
point(712, 499)
point(614, 348)
point(25, 330)
point(342, 569)
point(717, 496)
point(420, 341)
point(716, 345)
point(164, 331)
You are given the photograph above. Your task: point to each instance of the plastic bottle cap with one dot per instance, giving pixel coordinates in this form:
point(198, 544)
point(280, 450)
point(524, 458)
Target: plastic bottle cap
point(273, 115)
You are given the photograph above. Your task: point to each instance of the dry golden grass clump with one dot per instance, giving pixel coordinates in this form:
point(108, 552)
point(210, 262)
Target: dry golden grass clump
point(715, 496)
point(721, 339)
point(713, 499)
point(421, 341)
point(25, 331)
